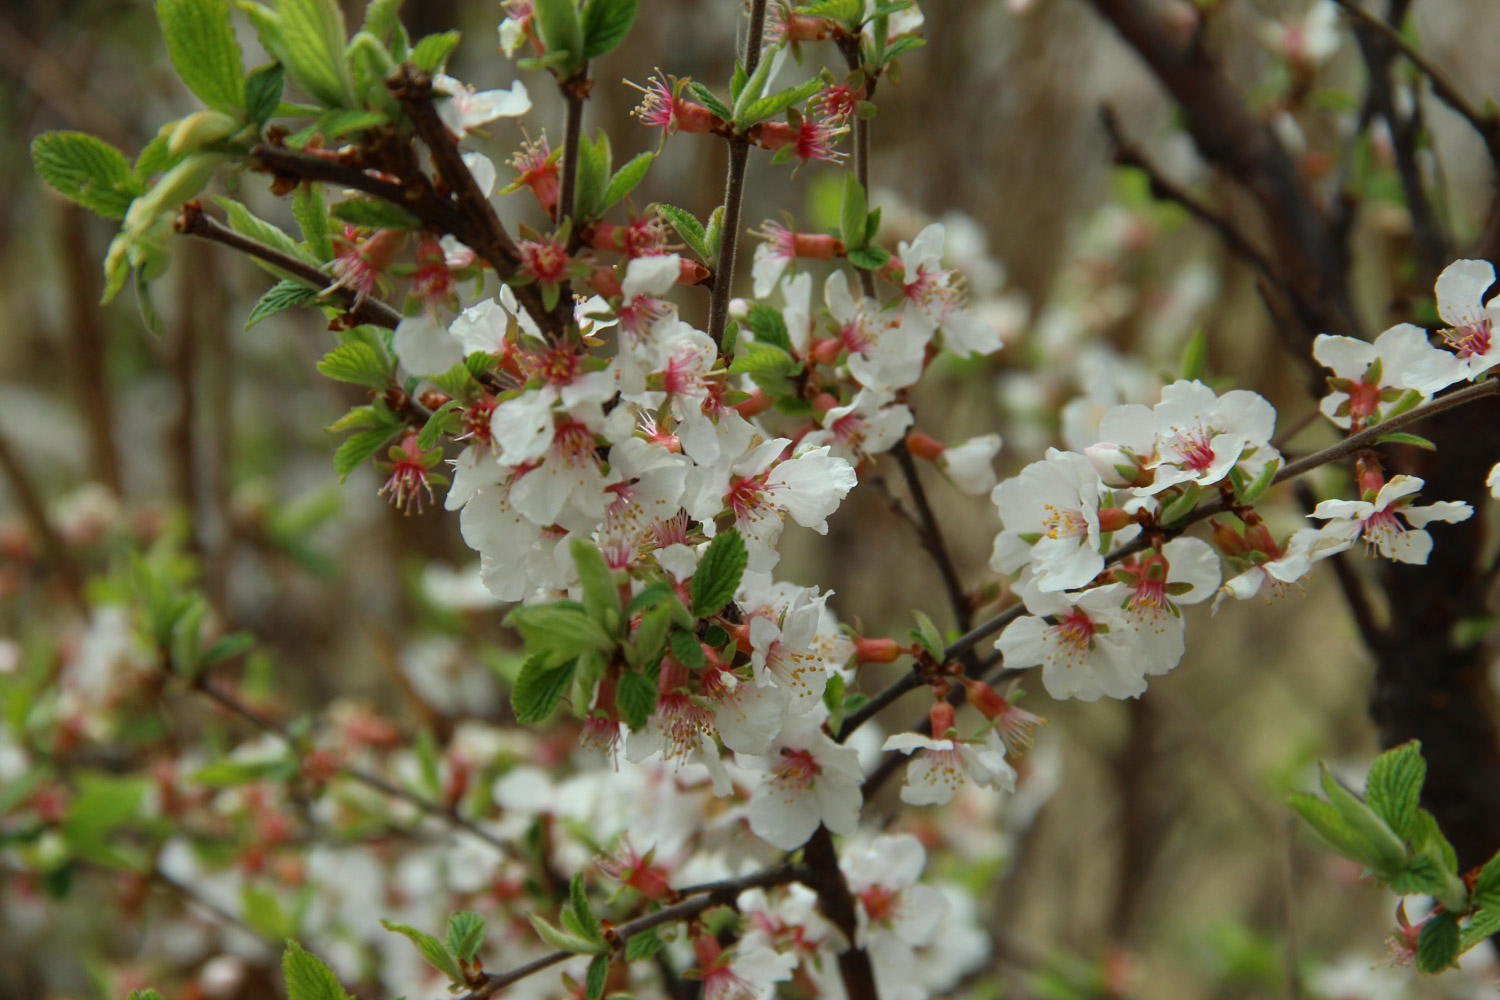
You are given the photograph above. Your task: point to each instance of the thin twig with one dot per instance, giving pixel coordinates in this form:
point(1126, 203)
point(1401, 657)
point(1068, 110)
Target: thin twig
point(195, 222)
point(1486, 124)
point(734, 193)
point(572, 136)
point(35, 512)
point(932, 539)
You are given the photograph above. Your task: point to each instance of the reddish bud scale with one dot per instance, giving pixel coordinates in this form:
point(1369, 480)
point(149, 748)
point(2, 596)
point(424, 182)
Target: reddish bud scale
point(1227, 540)
point(757, 404)
point(692, 273)
point(1114, 519)
point(606, 282)
point(985, 698)
point(942, 719)
point(741, 635)
point(818, 246)
point(925, 446)
point(825, 402)
point(877, 650)
point(1260, 539)
point(808, 28)
point(826, 351)
point(692, 117)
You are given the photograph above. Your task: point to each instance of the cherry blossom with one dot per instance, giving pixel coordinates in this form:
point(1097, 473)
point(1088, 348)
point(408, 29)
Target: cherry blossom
point(1380, 523)
point(941, 766)
point(1367, 377)
point(1471, 327)
point(809, 779)
point(1082, 642)
point(462, 109)
point(1051, 517)
point(1201, 436)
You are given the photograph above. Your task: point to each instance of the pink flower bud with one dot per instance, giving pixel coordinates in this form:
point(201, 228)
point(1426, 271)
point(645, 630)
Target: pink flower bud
point(925, 446)
point(877, 650)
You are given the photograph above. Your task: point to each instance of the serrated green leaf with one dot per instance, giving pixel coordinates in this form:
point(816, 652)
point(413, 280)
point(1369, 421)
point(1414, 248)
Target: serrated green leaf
point(853, 213)
point(307, 978)
point(1487, 884)
point(431, 53)
point(357, 363)
point(444, 417)
point(86, 170)
point(687, 226)
point(358, 449)
point(1329, 825)
point(650, 636)
point(635, 697)
point(643, 945)
point(769, 327)
point(562, 941)
point(465, 934)
point(558, 631)
point(583, 911)
point(383, 20)
point(868, 258)
point(1385, 854)
point(265, 914)
point(1482, 925)
point(752, 90)
point(719, 572)
point(244, 222)
point(605, 25)
point(593, 176)
point(263, 89)
point(312, 42)
point(686, 650)
point(774, 104)
point(285, 294)
point(625, 180)
point(1437, 943)
point(202, 46)
point(596, 978)
point(707, 98)
point(374, 214)
point(601, 595)
point(713, 233)
point(226, 647)
point(1424, 875)
point(102, 804)
point(1394, 786)
point(433, 951)
point(1403, 437)
point(311, 213)
point(539, 689)
point(561, 31)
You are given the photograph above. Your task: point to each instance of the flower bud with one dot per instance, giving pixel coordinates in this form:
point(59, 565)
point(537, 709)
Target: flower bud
point(877, 650)
point(1116, 466)
point(942, 719)
point(925, 446)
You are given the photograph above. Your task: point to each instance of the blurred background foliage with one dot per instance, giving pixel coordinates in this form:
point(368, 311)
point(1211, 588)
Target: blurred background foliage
point(1163, 864)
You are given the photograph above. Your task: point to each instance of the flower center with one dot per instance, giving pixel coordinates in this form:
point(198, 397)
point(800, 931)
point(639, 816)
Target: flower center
point(1061, 522)
point(1470, 338)
point(1195, 449)
point(749, 497)
point(880, 902)
point(797, 769)
point(1076, 632)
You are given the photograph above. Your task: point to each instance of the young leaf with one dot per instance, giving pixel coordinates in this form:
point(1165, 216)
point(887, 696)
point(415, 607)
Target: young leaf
point(1404, 437)
point(558, 631)
point(605, 24)
point(719, 572)
point(769, 327)
point(244, 222)
point(853, 213)
point(562, 940)
point(357, 363)
point(202, 46)
point(354, 452)
point(1395, 786)
point(625, 180)
point(1195, 355)
point(561, 31)
point(774, 104)
point(312, 41)
point(1437, 943)
point(263, 90)
point(307, 978)
point(444, 417)
point(687, 650)
point(598, 975)
point(868, 258)
point(539, 689)
point(643, 945)
point(311, 213)
point(593, 176)
point(374, 214)
point(87, 170)
point(285, 294)
point(583, 913)
point(707, 98)
point(465, 934)
point(433, 951)
point(601, 595)
point(688, 228)
point(635, 697)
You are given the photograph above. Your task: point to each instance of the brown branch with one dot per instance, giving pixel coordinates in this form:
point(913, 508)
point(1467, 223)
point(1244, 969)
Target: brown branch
point(35, 513)
point(88, 347)
point(195, 222)
point(931, 532)
point(823, 876)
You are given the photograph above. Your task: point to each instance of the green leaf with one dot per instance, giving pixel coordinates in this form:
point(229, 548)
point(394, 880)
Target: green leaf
point(1182, 504)
point(769, 327)
point(1437, 943)
point(244, 222)
point(853, 213)
point(643, 945)
point(708, 99)
point(228, 773)
point(1403, 437)
point(774, 104)
point(1424, 875)
point(559, 631)
point(539, 689)
point(147, 994)
point(687, 650)
point(1394, 786)
point(383, 20)
point(927, 636)
point(357, 363)
point(598, 975)
point(561, 31)
point(1257, 488)
point(868, 258)
point(713, 233)
point(1487, 884)
point(311, 213)
point(687, 227)
point(650, 636)
point(625, 179)
point(1482, 925)
point(1384, 854)
point(601, 595)
point(312, 39)
point(465, 934)
point(563, 941)
point(201, 43)
point(769, 367)
point(719, 572)
point(1195, 355)
point(103, 804)
point(354, 452)
point(1329, 825)
point(374, 214)
point(86, 170)
point(307, 978)
point(433, 951)
point(754, 86)
point(445, 417)
point(265, 914)
point(285, 294)
point(583, 912)
point(635, 697)
point(605, 25)
point(263, 90)
point(431, 53)
point(593, 176)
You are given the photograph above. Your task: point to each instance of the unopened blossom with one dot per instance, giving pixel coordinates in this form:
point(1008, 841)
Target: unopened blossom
point(1051, 515)
point(808, 779)
point(780, 245)
point(1390, 524)
point(462, 109)
point(1081, 641)
point(1368, 377)
point(1470, 333)
point(516, 24)
point(359, 264)
point(1014, 724)
point(538, 167)
point(968, 464)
